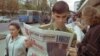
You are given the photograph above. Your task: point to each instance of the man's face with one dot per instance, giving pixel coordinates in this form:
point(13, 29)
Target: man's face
point(60, 18)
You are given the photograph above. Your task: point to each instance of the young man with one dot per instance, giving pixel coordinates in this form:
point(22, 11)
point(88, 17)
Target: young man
point(60, 12)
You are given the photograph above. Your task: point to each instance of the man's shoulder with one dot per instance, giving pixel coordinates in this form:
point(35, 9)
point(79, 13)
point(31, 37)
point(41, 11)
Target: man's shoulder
point(69, 30)
point(45, 26)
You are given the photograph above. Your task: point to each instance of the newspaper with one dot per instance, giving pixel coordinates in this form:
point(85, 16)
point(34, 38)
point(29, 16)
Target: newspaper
point(48, 42)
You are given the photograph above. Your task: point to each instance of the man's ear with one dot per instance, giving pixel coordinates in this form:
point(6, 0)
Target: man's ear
point(52, 14)
point(69, 14)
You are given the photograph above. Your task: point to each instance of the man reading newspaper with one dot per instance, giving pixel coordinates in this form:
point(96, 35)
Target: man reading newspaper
point(60, 12)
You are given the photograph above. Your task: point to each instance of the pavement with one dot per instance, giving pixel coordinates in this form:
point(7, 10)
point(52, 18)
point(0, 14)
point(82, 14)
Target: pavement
point(2, 47)
point(3, 31)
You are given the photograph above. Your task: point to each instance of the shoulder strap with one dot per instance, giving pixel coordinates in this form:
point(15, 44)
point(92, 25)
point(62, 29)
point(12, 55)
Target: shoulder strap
point(7, 41)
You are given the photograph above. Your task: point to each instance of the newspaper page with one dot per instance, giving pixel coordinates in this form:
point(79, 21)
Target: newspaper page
point(48, 42)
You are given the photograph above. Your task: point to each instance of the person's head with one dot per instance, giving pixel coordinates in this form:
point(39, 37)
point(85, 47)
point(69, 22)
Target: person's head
point(14, 29)
point(90, 15)
point(60, 12)
point(74, 16)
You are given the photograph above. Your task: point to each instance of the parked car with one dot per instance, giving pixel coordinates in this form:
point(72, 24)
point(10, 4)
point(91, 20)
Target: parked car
point(4, 19)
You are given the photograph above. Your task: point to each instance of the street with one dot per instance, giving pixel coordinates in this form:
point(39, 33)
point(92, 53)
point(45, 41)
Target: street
point(2, 47)
point(3, 27)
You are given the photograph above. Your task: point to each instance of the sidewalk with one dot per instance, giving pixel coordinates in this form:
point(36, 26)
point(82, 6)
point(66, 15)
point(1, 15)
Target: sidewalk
point(3, 43)
point(2, 47)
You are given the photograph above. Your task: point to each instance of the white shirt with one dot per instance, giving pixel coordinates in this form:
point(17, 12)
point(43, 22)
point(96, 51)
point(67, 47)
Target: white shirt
point(77, 30)
point(16, 47)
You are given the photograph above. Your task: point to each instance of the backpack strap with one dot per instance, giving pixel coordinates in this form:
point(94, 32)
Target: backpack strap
point(7, 41)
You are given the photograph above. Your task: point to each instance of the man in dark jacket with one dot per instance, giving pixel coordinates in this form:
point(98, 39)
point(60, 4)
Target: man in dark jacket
point(90, 46)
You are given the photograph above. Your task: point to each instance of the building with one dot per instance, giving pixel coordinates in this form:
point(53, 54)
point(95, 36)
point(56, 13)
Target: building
point(51, 2)
point(76, 4)
point(94, 3)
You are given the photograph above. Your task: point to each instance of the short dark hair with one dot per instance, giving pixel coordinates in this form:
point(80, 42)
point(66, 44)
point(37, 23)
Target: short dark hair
point(92, 13)
point(60, 7)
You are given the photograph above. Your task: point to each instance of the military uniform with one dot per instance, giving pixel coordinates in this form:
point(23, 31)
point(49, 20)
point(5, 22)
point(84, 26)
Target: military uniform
point(54, 46)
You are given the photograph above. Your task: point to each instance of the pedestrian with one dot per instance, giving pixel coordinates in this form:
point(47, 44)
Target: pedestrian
point(90, 46)
point(15, 41)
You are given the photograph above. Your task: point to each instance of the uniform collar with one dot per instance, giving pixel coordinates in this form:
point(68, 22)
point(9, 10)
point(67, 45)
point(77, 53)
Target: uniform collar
point(55, 28)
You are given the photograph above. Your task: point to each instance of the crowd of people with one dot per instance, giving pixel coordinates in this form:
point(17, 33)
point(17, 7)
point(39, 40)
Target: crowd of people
point(86, 41)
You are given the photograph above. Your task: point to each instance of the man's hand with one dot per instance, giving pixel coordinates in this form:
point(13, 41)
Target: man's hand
point(29, 43)
point(72, 51)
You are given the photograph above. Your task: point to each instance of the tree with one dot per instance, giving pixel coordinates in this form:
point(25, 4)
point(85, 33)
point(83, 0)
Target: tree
point(3, 6)
point(28, 6)
point(12, 6)
point(9, 6)
point(44, 6)
point(37, 5)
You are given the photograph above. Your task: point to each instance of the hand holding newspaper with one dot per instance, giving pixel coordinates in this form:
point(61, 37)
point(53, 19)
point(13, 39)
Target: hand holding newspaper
point(48, 42)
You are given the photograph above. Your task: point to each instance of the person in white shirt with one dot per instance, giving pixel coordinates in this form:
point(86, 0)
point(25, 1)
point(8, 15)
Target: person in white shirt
point(74, 27)
point(15, 41)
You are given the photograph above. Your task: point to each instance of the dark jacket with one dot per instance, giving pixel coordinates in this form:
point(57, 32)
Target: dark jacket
point(90, 46)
